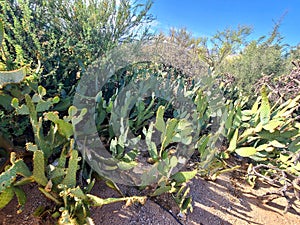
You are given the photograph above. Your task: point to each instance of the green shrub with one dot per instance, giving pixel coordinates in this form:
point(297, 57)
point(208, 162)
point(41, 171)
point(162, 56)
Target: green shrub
point(61, 38)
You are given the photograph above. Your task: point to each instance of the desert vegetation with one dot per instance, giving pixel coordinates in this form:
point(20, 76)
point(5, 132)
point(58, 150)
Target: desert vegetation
point(244, 96)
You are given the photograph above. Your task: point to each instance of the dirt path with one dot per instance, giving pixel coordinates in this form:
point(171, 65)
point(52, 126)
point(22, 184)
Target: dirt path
point(223, 202)
point(229, 201)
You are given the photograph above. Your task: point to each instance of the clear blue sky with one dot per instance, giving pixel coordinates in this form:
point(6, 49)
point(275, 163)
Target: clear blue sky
point(205, 17)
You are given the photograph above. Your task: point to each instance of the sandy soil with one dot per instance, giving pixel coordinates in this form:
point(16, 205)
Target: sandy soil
point(225, 201)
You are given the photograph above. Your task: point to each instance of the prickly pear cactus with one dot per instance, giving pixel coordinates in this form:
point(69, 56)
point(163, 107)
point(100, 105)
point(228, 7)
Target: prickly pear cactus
point(8, 182)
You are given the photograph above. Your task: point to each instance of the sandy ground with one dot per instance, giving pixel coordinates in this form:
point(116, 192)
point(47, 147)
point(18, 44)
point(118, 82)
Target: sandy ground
point(222, 202)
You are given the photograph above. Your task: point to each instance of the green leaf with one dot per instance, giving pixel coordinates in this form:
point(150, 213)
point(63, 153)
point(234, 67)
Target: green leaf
point(57, 173)
point(36, 98)
point(282, 137)
point(160, 123)
point(277, 144)
point(173, 161)
point(14, 76)
point(131, 155)
point(258, 128)
point(161, 190)
point(70, 178)
point(237, 117)
point(246, 134)
point(65, 128)
point(183, 132)
point(246, 118)
point(169, 133)
point(43, 106)
point(32, 113)
point(233, 141)
point(246, 151)
point(254, 108)
point(182, 177)
point(262, 147)
point(151, 145)
point(52, 116)
point(5, 197)
point(39, 168)
point(187, 203)
point(42, 91)
point(63, 104)
point(72, 111)
point(55, 100)
point(21, 110)
point(184, 125)
point(21, 196)
point(113, 186)
point(289, 104)
point(202, 143)
point(7, 178)
point(201, 103)
point(23, 181)
point(182, 199)
point(294, 146)
point(272, 125)
point(258, 158)
point(265, 107)
point(78, 193)
point(247, 113)
point(229, 119)
point(284, 158)
point(50, 196)
point(31, 147)
point(22, 168)
point(5, 101)
point(96, 201)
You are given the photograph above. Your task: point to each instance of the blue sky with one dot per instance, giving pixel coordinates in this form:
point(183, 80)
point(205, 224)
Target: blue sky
point(205, 17)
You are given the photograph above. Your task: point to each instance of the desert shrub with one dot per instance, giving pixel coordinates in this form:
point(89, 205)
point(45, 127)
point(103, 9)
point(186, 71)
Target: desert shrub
point(264, 56)
point(62, 38)
point(255, 61)
point(283, 87)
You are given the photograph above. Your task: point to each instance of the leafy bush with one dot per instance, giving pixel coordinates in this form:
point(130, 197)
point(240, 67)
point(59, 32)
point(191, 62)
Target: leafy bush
point(61, 38)
point(283, 87)
point(255, 61)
